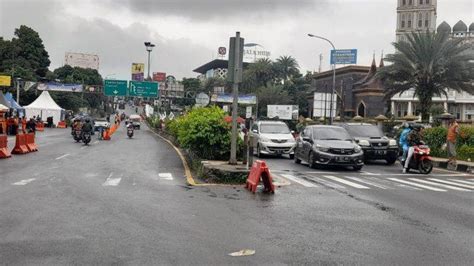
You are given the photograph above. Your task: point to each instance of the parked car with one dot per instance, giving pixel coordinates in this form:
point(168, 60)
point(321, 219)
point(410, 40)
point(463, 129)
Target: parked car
point(136, 121)
point(328, 145)
point(272, 138)
point(375, 145)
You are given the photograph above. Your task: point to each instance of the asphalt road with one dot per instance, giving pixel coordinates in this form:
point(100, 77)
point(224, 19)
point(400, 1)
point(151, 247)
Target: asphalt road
point(125, 202)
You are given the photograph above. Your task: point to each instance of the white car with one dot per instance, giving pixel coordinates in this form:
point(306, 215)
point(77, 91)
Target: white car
point(273, 138)
point(101, 123)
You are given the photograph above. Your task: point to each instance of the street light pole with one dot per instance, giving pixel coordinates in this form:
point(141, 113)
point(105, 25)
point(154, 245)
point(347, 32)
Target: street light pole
point(149, 47)
point(333, 78)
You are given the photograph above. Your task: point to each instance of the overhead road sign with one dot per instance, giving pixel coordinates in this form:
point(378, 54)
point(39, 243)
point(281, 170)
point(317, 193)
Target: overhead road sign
point(115, 87)
point(143, 89)
point(344, 57)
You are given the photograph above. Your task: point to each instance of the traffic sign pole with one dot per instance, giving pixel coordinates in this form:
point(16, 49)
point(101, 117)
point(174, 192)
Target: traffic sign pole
point(236, 58)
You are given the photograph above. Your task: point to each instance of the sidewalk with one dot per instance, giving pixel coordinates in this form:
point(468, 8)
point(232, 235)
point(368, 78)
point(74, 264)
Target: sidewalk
point(462, 166)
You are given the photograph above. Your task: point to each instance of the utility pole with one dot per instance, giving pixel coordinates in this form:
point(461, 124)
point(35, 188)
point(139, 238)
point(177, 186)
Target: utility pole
point(320, 62)
point(234, 74)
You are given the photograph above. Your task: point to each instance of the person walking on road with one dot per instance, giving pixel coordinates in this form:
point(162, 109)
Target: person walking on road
point(31, 126)
point(453, 132)
point(403, 141)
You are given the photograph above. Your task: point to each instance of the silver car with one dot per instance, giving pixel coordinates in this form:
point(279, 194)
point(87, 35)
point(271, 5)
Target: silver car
point(273, 138)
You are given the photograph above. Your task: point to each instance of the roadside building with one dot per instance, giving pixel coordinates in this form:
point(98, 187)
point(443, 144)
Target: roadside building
point(357, 90)
point(460, 104)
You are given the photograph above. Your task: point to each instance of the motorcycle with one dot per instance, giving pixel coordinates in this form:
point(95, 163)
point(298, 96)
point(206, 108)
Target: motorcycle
point(421, 160)
point(130, 131)
point(77, 134)
point(86, 138)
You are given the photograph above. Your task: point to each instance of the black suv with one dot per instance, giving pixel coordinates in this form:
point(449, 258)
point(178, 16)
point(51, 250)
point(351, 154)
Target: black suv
point(375, 145)
point(328, 145)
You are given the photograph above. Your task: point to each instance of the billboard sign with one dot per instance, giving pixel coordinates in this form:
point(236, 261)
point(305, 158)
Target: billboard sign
point(113, 87)
point(138, 71)
point(159, 76)
point(284, 112)
point(82, 60)
point(54, 86)
point(322, 104)
point(143, 89)
point(344, 57)
point(5, 81)
point(227, 98)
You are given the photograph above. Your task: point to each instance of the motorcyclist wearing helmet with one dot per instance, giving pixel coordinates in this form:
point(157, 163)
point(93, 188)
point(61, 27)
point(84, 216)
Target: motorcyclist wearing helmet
point(403, 141)
point(414, 138)
point(87, 127)
point(76, 125)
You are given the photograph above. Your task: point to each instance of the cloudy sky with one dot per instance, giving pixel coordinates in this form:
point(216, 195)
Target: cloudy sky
point(188, 32)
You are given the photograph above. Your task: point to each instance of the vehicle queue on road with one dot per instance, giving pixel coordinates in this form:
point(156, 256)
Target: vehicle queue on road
point(343, 145)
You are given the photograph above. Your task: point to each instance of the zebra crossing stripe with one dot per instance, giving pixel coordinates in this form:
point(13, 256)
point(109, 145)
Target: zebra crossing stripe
point(452, 183)
point(360, 180)
point(324, 182)
point(299, 181)
point(345, 182)
point(416, 185)
point(463, 181)
point(437, 184)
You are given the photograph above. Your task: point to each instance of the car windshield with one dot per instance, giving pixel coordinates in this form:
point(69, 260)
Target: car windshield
point(274, 129)
point(368, 131)
point(330, 133)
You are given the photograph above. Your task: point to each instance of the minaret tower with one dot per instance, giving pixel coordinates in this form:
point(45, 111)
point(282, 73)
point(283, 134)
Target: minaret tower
point(415, 15)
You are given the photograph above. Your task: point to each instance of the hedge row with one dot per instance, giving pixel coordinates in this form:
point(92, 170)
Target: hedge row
point(435, 137)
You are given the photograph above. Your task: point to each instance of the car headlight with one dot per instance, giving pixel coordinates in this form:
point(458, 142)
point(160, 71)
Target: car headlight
point(357, 149)
point(263, 139)
point(392, 142)
point(364, 142)
point(321, 148)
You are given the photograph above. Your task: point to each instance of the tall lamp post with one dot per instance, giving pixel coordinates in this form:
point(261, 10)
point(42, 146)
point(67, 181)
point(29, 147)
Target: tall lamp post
point(149, 47)
point(333, 78)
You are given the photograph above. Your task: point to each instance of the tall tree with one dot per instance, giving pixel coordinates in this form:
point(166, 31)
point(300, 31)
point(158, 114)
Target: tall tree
point(286, 67)
point(430, 63)
point(261, 73)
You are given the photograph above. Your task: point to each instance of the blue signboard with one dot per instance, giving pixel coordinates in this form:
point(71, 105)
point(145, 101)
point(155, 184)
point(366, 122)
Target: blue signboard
point(344, 57)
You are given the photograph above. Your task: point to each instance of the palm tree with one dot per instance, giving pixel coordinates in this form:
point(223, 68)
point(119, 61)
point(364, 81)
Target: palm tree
point(261, 72)
point(430, 63)
point(286, 66)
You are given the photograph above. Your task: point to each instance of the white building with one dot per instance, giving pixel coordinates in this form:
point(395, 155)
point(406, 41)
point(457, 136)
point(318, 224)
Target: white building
point(420, 15)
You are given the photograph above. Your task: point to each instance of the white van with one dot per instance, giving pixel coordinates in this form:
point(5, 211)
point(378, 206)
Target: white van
point(273, 138)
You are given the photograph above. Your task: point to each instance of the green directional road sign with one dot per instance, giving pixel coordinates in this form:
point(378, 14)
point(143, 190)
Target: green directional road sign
point(115, 87)
point(143, 89)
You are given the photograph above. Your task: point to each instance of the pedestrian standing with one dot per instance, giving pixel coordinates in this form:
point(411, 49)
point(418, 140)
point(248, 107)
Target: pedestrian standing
point(453, 132)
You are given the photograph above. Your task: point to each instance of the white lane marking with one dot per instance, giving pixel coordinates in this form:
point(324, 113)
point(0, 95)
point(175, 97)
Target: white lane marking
point(166, 176)
point(463, 181)
point(111, 181)
point(325, 182)
point(95, 142)
point(63, 156)
point(321, 172)
point(417, 185)
point(83, 147)
point(24, 182)
point(360, 180)
point(452, 183)
point(369, 173)
point(345, 182)
point(299, 181)
point(437, 184)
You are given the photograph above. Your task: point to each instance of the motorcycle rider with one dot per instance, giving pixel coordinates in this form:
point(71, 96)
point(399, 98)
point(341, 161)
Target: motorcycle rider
point(404, 140)
point(414, 138)
point(87, 127)
point(129, 126)
point(76, 125)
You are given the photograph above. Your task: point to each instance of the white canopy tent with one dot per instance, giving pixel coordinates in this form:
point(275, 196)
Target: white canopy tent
point(44, 106)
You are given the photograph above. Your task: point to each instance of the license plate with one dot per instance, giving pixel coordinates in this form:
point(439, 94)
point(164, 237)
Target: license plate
point(341, 159)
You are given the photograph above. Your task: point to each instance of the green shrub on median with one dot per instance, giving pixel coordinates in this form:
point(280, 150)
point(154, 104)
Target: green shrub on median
point(435, 137)
point(204, 131)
